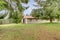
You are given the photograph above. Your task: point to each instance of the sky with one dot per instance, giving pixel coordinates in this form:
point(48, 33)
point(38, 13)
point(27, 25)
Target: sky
point(30, 6)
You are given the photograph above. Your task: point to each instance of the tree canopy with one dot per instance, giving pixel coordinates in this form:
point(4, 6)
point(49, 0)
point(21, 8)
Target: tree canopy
point(15, 13)
point(2, 4)
point(51, 9)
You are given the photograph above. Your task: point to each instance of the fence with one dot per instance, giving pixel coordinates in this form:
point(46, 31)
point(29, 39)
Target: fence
point(6, 21)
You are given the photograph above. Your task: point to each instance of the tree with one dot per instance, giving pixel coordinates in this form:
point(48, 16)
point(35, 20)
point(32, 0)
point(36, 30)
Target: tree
point(37, 13)
point(2, 7)
point(51, 9)
point(2, 4)
point(24, 1)
point(17, 15)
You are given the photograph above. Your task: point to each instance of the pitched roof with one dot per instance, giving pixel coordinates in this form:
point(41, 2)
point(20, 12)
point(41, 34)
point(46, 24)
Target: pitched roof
point(28, 17)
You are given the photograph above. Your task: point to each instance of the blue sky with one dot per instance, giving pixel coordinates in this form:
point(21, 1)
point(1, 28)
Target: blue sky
point(31, 7)
point(30, 4)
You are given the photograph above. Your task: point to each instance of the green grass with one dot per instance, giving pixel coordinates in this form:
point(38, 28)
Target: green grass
point(27, 31)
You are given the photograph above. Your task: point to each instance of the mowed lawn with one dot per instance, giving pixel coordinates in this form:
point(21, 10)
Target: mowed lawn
point(42, 31)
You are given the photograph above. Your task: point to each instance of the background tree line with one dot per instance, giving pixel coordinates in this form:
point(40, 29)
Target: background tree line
point(50, 10)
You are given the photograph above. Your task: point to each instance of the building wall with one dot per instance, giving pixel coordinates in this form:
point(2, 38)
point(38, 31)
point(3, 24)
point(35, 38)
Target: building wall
point(37, 21)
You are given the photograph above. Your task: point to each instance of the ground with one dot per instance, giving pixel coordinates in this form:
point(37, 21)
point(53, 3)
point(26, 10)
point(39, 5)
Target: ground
point(42, 31)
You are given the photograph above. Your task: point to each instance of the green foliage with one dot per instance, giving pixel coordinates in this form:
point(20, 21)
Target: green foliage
point(20, 8)
point(24, 1)
point(17, 17)
point(2, 4)
point(37, 13)
point(51, 9)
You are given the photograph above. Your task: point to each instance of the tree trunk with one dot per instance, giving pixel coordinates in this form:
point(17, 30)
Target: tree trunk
point(51, 20)
point(58, 18)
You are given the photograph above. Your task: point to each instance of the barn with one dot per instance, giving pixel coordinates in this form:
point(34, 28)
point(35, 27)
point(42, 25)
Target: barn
point(28, 19)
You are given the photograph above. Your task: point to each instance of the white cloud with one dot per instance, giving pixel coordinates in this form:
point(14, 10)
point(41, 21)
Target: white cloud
point(24, 5)
point(27, 11)
point(32, 5)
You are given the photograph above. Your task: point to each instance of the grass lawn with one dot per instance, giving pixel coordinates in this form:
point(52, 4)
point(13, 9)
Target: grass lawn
point(42, 31)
